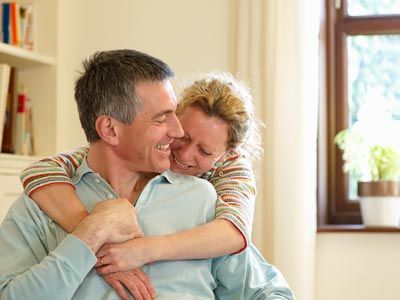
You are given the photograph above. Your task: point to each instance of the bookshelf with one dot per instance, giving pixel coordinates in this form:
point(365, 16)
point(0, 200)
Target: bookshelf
point(37, 71)
point(22, 58)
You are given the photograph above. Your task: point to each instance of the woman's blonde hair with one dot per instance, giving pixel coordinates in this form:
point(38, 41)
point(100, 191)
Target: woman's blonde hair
point(229, 99)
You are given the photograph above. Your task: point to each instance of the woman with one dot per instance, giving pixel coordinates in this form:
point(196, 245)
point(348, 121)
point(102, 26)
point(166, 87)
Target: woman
point(221, 137)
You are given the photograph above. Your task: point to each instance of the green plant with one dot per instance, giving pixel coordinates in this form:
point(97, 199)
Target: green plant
point(366, 161)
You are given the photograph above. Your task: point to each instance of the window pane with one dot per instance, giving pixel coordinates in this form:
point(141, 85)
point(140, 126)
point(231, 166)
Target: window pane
point(373, 75)
point(373, 7)
point(373, 71)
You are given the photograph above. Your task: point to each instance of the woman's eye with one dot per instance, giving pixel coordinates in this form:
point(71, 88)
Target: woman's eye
point(205, 152)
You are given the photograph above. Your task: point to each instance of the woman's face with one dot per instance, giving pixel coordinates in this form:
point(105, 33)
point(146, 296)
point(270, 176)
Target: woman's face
point(204, 142)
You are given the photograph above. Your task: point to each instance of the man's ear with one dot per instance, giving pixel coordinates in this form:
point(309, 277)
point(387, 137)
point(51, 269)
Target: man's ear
point(107, 129)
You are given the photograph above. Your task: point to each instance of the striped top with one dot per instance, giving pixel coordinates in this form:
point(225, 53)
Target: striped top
point(231, 176)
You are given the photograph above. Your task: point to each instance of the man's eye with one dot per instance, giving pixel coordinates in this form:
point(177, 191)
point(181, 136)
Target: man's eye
point(161, 120)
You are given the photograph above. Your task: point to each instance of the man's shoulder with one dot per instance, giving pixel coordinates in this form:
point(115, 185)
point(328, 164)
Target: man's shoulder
point(24, 209)
point(189, 180)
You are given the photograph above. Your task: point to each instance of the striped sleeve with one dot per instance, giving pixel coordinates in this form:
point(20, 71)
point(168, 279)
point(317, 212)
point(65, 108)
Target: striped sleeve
point(234, 181)
point(57, 169)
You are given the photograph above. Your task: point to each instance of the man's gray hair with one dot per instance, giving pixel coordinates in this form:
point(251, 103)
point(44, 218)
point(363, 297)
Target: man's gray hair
point(107, 86)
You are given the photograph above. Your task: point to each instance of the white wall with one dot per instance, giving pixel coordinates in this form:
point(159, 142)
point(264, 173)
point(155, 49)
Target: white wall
point(188, 35)
point(357, 266)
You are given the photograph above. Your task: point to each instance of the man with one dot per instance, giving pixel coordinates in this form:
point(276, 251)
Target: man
point(127, 110)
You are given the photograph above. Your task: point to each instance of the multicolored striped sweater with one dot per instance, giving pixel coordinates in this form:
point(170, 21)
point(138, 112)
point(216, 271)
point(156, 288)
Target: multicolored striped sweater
point(231, 176)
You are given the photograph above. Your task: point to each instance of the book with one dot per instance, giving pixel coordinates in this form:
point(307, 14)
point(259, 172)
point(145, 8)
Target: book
point(20, 124)
point(11, 110)
point(15, 24)
point(1, 23)
point(29, 129)
point(26, 25)
point(4, 86)
point(6, 22)
point(16, 21)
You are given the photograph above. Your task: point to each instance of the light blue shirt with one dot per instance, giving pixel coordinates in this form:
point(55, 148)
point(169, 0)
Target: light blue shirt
point(39, 260)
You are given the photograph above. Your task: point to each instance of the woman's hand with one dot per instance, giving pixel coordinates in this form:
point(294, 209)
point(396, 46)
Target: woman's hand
point(135, 281)
point(125, 256)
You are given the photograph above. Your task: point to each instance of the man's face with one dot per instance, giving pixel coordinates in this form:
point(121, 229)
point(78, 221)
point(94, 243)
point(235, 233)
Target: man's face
point(145, 144)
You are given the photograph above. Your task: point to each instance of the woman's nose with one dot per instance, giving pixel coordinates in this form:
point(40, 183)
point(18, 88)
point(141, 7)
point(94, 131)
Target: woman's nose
point(185, 152)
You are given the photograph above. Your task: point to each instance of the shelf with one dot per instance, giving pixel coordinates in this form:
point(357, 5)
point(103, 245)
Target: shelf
point(356, 228)
point(12, 164)
point(22, 58)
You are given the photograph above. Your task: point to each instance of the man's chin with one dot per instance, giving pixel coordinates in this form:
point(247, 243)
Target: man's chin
point(160, 168)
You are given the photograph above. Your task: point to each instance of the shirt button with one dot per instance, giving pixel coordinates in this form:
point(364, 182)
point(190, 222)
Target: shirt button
point(109, 196)
point(97, 180)
point(221, 173)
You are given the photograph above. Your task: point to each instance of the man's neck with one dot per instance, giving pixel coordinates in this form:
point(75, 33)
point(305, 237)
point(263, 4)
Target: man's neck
point(126, 183)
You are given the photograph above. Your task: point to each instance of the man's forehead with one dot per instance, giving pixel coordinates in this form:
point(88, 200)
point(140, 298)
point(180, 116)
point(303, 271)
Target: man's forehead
point(147, 88)
point(157, 98)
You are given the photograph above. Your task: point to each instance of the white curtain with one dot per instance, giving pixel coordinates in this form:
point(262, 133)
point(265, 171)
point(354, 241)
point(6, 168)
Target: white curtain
point(278, 55)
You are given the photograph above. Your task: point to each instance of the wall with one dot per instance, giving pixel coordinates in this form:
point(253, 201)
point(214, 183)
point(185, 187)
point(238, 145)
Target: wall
point(188, 35)
point(357, 266)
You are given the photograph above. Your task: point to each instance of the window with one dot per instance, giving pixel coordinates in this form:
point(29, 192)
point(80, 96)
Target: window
point(362, 43)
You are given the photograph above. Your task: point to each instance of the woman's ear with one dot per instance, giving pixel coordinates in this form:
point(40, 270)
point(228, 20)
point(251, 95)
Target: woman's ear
point(107, 129)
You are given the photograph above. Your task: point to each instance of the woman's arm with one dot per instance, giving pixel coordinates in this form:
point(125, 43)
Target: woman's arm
point(216, 238)
point(61, 204)
point(234, 181)
point(210, 240)
point(48, 183)
point(55, 169)
point(228, 233)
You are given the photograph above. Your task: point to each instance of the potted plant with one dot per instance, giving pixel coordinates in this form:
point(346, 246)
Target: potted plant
point(371, 155)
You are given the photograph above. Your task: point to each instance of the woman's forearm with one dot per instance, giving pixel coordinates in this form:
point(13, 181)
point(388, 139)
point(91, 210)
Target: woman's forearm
point(217, 238)
point(61, 204)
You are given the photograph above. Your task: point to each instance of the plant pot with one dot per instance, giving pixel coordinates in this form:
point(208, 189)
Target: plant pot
point(380, 203)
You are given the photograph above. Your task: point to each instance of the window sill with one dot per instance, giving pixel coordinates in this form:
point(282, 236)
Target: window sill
point(356, 228)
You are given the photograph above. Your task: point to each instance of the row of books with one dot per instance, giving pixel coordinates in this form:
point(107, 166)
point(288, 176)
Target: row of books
point(16, 131)
point(17, 24)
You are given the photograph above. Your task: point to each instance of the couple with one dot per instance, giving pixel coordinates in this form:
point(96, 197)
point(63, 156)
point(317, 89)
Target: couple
point(127, 110)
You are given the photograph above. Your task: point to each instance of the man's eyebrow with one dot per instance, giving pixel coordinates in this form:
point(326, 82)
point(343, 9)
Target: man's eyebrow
point(164, 112)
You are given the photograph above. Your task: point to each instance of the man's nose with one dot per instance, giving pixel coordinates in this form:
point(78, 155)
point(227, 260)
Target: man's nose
point(175, 130)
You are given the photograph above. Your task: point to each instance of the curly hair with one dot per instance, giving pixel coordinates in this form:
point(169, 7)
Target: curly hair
point(225, 97)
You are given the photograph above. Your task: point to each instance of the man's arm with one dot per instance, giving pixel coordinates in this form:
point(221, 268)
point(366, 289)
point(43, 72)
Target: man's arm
point(249, 276)
point(28, 270)
point(56, 276)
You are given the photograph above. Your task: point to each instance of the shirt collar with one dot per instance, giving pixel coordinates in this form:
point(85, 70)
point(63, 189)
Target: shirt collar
point(81, 171)
point(171, 177)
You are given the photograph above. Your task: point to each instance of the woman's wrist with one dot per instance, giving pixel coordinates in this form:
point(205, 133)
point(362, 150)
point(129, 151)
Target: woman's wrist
point(156, 249)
